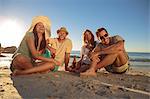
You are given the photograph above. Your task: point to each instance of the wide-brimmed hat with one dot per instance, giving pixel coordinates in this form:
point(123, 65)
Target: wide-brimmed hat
point(46, 22)
point(62, 29)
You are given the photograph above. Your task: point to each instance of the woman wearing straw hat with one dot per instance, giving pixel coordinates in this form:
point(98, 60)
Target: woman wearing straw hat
point(32, 47)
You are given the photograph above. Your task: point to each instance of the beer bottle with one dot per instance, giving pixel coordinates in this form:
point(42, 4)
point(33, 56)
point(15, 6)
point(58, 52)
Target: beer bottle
point(74, 62)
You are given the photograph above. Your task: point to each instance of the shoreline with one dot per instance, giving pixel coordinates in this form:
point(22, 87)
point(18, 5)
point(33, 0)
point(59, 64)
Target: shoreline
point(134, 67)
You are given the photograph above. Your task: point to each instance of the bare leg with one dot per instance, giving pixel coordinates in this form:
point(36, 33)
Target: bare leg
point(41, 68)
point(108, 60)
point(22, 62)
point(83, 68)
point(91, 70)
point(121, 59)
point(78, 65)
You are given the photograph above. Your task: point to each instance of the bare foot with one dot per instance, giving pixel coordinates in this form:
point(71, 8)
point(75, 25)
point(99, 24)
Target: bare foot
point(89, 72)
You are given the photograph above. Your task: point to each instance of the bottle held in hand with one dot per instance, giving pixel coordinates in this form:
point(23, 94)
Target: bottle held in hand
point(74, 62)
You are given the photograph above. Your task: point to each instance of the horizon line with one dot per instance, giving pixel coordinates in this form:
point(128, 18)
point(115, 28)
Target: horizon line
point(126, 51)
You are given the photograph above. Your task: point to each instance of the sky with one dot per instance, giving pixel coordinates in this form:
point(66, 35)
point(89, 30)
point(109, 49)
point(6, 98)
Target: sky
point(128, 18)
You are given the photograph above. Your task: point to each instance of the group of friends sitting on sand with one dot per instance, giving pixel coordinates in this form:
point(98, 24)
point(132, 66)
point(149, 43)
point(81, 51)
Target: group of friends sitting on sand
point(39, 53)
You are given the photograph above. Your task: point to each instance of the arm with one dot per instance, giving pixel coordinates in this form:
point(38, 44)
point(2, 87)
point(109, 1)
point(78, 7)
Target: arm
point(116, 47)
point(78, 65)
point(52, 50)
point(67, 58)
point(67, 53)
point(113, 48)
point(95, 52)
point(35, 53)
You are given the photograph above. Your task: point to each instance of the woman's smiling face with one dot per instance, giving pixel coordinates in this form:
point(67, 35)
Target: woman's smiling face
point(40, 27)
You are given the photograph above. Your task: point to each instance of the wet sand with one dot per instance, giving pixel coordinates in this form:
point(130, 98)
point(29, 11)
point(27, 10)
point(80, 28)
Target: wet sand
point(64, 85)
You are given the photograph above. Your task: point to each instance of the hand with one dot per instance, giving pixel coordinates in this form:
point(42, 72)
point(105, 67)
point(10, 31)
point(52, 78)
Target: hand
point(47, 41)
point(40, 51)
point(53, 51)
point(53, 55)
point(68, 69)
point(94, 54)
point(57, 63)
point(96, 59)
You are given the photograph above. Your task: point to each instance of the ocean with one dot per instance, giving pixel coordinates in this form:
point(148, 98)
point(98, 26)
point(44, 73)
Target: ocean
point(137, 59)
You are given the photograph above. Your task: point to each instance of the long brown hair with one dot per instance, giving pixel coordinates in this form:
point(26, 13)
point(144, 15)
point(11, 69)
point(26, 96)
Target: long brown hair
point(36, 39)
point(91, 40)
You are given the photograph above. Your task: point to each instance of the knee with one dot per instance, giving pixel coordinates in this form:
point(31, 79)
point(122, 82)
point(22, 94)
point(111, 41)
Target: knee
point(17, 61)
point(20, 59)
point(120, 52)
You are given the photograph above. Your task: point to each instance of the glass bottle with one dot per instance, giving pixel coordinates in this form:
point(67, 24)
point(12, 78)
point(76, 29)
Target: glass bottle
point(74, 62)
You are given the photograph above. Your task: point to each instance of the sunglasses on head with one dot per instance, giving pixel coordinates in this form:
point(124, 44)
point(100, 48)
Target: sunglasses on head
point(103, 37)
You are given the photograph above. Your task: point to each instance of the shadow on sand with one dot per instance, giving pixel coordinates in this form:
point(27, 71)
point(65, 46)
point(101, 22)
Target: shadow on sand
point(64, 85)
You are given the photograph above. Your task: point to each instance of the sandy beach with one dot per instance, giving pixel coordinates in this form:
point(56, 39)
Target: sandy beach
point(100, 32)
point(64, 85)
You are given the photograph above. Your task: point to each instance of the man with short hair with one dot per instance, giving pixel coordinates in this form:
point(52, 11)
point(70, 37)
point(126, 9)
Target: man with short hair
point(63, 46)
point(109, 53)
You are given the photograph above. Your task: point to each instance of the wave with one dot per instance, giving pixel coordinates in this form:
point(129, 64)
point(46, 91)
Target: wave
point(140, 59)
point(133, 56)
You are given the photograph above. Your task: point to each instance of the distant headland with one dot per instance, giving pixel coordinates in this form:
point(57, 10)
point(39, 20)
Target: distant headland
point(10, 49)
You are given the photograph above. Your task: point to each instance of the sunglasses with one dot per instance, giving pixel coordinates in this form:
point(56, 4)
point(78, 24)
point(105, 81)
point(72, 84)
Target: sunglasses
point(103, 37)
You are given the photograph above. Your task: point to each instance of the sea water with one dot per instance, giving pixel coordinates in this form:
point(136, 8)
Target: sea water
point(137, 59)
point(5, 61)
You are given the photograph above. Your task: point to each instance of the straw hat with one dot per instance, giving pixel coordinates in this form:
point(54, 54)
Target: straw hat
point(62, 29)
point(46, 22)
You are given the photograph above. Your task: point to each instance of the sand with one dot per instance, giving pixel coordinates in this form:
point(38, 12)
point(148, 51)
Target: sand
point(7, 90)
point(64, 85)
